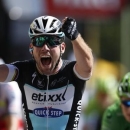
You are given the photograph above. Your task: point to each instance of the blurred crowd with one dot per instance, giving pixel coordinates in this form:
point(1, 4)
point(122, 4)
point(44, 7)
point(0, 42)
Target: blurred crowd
point(101, 92)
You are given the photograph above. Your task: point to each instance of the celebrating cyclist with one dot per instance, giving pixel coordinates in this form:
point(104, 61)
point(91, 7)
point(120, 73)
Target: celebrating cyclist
point(117, 116)
point(51, 87)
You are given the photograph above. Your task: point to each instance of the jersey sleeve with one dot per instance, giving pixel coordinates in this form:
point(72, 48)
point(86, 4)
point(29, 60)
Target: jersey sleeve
point(12, 74)
point(13, 96)
point(76, 73)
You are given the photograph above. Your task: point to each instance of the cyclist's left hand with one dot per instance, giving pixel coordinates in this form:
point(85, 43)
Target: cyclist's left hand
point(69, 27)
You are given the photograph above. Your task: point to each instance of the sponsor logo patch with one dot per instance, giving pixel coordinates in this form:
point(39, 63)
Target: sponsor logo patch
point(48, 112)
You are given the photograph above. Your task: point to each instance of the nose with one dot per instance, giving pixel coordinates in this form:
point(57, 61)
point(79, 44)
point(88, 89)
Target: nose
point(45, 47)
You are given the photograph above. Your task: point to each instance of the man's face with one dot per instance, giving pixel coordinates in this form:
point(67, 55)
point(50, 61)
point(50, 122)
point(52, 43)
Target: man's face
point(46, 57)
point(126, 108)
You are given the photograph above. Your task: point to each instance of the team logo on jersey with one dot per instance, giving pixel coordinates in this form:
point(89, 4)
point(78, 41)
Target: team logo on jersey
point(48, 97)
point(40, 82)
point(77, 115)
point(48, 112)
point(61, 98)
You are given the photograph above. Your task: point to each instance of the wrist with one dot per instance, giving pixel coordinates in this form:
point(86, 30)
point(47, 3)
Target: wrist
point(78, 37)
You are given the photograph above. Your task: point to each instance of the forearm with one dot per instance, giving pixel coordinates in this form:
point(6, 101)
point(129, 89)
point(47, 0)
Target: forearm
point(83, 54)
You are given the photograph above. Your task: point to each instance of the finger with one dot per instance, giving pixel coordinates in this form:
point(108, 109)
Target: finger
point(63, 21)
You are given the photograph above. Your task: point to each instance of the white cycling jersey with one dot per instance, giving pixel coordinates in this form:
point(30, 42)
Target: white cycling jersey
point(10, 99)
point(10, 103)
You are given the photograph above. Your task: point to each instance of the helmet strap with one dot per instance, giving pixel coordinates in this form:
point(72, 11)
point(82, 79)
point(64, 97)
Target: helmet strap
point(58, 59)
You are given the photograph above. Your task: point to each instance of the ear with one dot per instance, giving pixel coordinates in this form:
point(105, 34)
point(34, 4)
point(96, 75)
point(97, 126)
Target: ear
point(31, 49)
point(63, 46)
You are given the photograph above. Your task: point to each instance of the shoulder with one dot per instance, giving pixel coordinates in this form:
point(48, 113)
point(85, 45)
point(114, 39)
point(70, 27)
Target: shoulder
point(68, 63)
point(24, 65)
point(112, 114)
point(110, 118)
point(26, 62)
point(112, 110)
point(20, 64)
point(69, 66)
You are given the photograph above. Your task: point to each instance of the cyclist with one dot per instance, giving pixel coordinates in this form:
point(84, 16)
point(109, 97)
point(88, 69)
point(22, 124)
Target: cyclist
point(10, 107)
point(51, 87)
point(117, 116)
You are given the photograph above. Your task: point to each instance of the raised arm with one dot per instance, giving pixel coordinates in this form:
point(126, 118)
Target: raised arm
point(83, 56)
point(82, 51)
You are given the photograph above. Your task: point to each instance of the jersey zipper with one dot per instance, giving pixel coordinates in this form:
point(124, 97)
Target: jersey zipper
point(47, 100)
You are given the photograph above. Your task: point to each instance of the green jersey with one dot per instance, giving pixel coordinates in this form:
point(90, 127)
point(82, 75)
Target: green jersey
point(113, 118)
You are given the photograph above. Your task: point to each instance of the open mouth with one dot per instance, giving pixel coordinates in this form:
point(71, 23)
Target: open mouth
point(46, 60)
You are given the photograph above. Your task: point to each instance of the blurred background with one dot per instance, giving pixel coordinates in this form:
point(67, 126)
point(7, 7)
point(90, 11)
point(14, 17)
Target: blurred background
point(105, 26)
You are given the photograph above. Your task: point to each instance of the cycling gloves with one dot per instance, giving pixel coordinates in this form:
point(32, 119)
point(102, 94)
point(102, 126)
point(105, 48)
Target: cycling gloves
point(70, 28)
